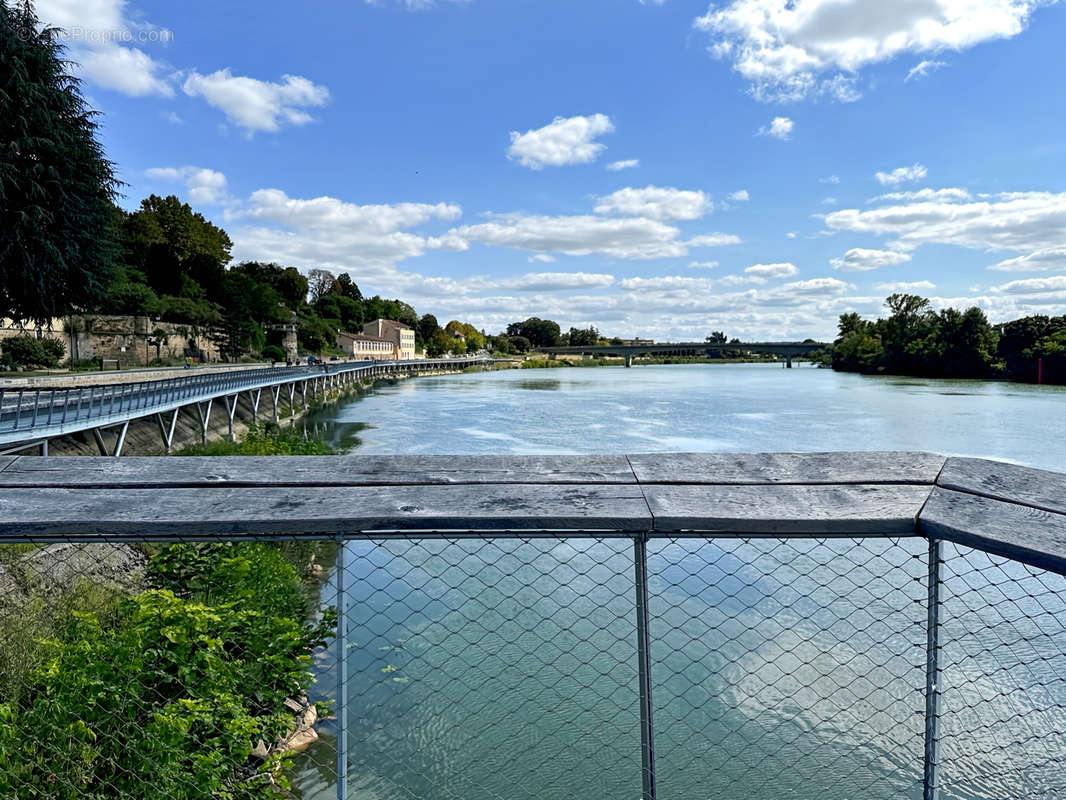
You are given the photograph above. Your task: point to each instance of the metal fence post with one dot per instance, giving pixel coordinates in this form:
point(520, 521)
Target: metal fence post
point(647, 729)
point(931, 789)
point(342, 675)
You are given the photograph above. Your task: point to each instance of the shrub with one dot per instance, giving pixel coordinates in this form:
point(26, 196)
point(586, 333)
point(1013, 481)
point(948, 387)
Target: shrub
point(274, 352)
point(168, 704)
point(29, 351)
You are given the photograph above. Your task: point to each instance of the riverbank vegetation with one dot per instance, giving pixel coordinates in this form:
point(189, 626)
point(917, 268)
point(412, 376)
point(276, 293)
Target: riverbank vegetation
point(916, 340)
point(174, 678)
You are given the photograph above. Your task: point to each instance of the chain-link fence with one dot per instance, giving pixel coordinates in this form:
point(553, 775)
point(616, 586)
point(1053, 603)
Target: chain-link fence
point(530, 666)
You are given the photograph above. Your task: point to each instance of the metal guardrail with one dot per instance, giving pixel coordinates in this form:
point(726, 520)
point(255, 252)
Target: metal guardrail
point(27, 414)
point(501, 636)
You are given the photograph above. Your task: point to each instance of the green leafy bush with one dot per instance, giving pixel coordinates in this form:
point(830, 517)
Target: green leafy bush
point(264, 440)
point(166, 705)
point(29, 351)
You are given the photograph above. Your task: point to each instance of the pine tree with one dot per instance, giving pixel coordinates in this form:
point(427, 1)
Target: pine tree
point(56, 185)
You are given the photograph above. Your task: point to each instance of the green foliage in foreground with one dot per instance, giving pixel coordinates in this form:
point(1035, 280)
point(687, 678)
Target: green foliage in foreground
point(168, 704)
point(164, 695)
point(265, 440)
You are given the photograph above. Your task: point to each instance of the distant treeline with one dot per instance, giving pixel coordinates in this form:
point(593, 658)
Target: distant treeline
point(916, 340)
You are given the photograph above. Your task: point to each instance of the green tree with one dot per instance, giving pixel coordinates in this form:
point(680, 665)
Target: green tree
point(56, 186)
point(717, 337)
point(30, 352)
point(584, 337)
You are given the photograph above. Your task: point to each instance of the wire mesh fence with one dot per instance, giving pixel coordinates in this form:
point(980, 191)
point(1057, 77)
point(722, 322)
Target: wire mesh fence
point(507, 666)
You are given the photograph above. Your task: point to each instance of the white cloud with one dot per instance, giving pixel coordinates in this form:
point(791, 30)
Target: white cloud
point(791, 235)
point(412, 5)
point(915, 172)
point(905, 286)
point(205, 186)
point(172, 118)
point(791, 50)
point(739, 196)
point(779, 128)
point(667, 283)
point(713, 240)
point(829, 179)
point(1055, 283)
point(626, 238)
point(1046, 260)
point(95, 31)
point(257, 105)
point(924, 68)
point(655, 202)
point(860, 259)
point(702, 264)
point(327, 232)
point(547, 282)
point(1023, 222)
point(829, 201)
point(124, 69)
point(925, 195)
point(629, 163)
point(542, 258)
point(564, 141)
point(782, 270)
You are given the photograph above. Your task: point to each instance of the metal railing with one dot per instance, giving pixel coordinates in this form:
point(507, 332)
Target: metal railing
point(28, 413)
point(565, 664)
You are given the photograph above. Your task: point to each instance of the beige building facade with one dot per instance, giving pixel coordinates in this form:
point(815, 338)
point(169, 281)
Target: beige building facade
point(360, 345)
point(403, 336)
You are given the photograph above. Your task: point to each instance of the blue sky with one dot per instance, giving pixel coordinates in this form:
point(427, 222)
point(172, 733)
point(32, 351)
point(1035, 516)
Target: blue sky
point(659, 168)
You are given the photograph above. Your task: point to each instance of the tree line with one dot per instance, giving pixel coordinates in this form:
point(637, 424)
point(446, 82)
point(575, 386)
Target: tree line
point(916, 340)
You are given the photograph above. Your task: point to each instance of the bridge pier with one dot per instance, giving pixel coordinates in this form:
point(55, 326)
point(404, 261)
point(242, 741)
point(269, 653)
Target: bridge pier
point(788, 362)
point(629, 361)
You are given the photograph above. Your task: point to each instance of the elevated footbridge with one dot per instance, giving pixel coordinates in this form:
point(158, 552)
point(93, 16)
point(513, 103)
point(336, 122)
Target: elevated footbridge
point(32, 416)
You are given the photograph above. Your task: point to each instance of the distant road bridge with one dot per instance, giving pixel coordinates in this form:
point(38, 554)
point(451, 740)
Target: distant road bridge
point(788, 350)
point(31, 416)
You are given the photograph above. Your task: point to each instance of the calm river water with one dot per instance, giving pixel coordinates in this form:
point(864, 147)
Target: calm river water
point(781, 668)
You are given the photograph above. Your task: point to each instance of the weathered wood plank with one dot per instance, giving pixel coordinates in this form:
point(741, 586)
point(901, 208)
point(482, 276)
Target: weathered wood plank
point(318, 510)
point(859, 510)
point(7, 461)
point(354, 470)
point(1009, 482)
point(1030, 535)
point(801, 468)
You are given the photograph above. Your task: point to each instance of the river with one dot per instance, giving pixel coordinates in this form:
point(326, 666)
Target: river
point(506, 669)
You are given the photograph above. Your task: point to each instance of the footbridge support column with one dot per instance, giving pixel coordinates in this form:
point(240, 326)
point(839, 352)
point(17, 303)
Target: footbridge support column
point(629, 361)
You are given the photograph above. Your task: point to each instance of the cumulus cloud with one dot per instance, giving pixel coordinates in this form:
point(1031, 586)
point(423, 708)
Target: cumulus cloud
point(204, 186)
point(328, 232)
point(655, 202)
point(779, 128)
point(99, 36)
point(905, 286)
point(618, 166)
point(782, 270)
point(1056, 283)
point(625, 238)
point(829, 179)
point(899, 175)
point(546, 282)
point(861, 259)
point(702, 264)
point(562, 142)
point(256, 105)
point(739, 196)
point(923, 68)
point(1023, 222)
point(791, 50)
point(1046, 260)
point(542, 258)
